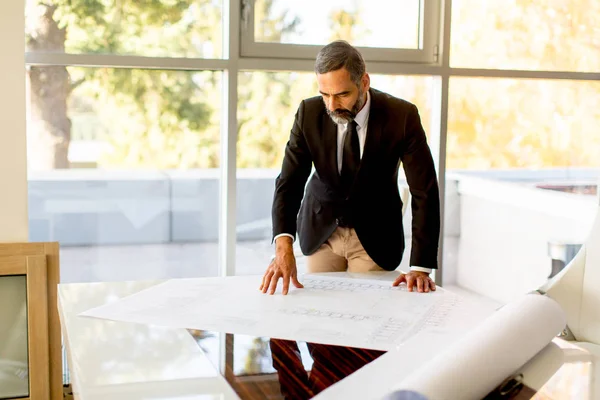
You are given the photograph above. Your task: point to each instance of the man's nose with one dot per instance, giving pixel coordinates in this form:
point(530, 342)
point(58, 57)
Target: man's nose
point(333, 103)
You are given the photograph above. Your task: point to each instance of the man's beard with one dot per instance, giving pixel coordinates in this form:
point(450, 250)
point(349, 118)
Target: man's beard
point(343, 116)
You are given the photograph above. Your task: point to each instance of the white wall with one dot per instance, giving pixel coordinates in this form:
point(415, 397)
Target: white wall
point(13, 160)
point(13, 183)
point(505, 229)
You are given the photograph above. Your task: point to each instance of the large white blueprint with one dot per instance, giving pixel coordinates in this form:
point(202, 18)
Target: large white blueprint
point(460, 364)
point(491, 352)
point(329, 310)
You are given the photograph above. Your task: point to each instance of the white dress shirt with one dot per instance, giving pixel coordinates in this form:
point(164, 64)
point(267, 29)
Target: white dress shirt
point(362, 121)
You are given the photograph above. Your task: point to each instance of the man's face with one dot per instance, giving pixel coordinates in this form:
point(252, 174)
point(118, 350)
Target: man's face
point(342, 98)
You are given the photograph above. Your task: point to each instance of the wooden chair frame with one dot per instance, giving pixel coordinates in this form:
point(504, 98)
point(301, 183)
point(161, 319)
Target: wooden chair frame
point(34, 270)
point(49, 253)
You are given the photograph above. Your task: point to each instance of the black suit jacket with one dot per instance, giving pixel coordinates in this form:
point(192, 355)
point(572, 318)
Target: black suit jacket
point(394, 135)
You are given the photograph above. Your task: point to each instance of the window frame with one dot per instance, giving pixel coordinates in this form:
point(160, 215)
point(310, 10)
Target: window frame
point(427, 53)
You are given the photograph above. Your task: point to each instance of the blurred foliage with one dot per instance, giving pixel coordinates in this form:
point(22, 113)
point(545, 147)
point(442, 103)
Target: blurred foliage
point(347, 26)
point(524, 123)
point(508, 123)
point(266, 108)
point(270, 25)
point(150, 119)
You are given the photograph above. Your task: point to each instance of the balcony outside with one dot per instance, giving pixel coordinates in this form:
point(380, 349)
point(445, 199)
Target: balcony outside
point(116, 226)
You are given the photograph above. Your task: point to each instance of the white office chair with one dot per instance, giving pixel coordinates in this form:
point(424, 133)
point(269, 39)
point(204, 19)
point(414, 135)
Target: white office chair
point(577, 289)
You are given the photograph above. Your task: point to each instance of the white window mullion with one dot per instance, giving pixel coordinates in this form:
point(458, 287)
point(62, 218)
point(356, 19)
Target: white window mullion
point(118, 61)
point(228, 182)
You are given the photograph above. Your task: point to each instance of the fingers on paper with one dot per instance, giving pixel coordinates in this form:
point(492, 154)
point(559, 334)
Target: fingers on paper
point(274, 282)
point(399, 280)
point(266, 281)
point(295, 281)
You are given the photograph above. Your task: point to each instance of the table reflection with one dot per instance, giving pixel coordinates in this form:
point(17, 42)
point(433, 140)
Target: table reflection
point(259, 368)
point(330, 365)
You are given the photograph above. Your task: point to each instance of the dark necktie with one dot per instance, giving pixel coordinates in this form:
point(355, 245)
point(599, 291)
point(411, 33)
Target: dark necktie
point(351, 156)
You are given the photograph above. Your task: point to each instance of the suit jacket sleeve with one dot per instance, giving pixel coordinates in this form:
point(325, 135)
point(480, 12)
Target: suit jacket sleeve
point(421, 177)
point(289, 186)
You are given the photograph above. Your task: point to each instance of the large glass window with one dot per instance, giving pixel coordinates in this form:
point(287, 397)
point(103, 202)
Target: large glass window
point(523, 124)
point(124, 170)
point(125, 162)
point(559, 35)
point(403, 30)
point(162, 28)
point(365, 24)
point(267, 103)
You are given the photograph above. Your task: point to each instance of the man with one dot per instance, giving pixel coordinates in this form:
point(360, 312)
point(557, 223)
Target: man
point(351, 212)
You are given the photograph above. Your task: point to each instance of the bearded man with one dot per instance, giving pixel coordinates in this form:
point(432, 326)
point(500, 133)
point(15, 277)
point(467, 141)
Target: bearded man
point(349, 215)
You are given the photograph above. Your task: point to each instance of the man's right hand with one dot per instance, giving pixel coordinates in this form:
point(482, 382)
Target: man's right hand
point(283, 266)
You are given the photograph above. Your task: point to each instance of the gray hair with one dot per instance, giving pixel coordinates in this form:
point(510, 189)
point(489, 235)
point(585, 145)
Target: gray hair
point(340, 54)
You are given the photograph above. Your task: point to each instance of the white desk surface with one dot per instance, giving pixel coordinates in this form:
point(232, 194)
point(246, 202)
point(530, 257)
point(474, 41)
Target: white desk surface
point(119, 360)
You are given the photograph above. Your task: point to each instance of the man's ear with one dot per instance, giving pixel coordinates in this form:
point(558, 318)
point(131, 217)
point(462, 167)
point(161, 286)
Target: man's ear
point(366, 82)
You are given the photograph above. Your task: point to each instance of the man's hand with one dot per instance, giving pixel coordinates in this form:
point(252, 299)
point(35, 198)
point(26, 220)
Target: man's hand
point(417, 279)
point(283, 266)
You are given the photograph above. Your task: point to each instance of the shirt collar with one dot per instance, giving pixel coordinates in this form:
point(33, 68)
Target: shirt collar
point(363, 115)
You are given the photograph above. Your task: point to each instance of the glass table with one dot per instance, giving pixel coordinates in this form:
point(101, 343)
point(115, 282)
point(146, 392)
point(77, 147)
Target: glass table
point(260, 368)
point(119, 360)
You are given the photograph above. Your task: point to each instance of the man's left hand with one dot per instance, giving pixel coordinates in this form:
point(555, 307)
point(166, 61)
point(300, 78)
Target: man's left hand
point(417, 280)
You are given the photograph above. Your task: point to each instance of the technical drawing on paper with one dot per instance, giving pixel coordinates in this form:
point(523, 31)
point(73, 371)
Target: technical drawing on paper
point(340, 311)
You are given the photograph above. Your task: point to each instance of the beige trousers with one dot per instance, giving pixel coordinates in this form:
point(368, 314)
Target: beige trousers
point(341, 252)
